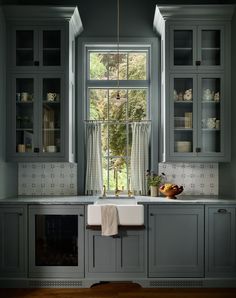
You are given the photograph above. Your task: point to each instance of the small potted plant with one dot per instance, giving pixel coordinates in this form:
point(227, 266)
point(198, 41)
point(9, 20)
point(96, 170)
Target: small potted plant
point(154, 181)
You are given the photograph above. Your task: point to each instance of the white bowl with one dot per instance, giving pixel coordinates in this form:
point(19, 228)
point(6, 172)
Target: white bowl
point(51, 149)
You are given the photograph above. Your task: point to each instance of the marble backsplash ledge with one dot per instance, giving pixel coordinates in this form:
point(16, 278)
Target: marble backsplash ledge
point(196, 178)
point(47, 179)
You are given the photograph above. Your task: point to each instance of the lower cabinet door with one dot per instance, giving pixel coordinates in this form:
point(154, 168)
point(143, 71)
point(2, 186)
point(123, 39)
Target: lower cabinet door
point(13, 240)
point(131, 252)
point(176, 241)
point(119, 256)
point(101, 253)
point(220, 241)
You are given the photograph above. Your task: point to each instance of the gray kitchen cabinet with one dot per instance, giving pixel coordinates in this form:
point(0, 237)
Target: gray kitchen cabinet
point(41, 82)
point(220, 249)
point(36, 47)
point(176, 241)
point(13, 241)
point(198, 124)
point(56, 241)
point(196, 76)
point(122, 255)
point(197, 46)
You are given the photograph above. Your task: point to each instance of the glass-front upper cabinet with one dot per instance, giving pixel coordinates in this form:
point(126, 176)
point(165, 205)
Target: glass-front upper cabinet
point(196, 47)
point(24, 122)
point(210, 49)
point(51, 115)
point(37, 48)
point(210, 107)
point(38, 115)
point(196, 115)
point(183, 107)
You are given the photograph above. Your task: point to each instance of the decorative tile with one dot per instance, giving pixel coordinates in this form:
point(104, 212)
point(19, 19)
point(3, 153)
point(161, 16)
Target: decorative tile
point(197, 178)
point(47, 179)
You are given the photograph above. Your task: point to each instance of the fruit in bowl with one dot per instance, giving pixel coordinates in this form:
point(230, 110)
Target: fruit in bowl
point(171, 190)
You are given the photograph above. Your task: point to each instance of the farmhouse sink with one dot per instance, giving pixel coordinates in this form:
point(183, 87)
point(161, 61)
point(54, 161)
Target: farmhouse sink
point(129, 212)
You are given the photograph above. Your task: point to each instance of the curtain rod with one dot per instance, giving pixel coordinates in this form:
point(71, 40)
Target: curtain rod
point(115, 122)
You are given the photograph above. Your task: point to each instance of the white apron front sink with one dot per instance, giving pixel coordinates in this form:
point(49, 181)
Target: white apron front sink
point(129, 212)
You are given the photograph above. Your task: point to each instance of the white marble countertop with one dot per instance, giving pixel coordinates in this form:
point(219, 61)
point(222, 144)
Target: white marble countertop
point(139, 199)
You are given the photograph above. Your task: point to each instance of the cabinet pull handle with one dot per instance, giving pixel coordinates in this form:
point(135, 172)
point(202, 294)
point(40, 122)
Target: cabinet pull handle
point(198, 149)
point(20, 214)
point(198, 62)
point(151, 214)
point(36, 150)
point(36, 63)
point(222, 211)
point(81, 215)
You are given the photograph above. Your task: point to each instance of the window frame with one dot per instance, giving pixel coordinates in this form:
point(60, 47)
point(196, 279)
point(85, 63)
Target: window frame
point(154, 45)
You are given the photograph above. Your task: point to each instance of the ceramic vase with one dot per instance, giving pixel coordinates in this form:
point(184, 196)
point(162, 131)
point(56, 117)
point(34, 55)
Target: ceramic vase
point(154, 191)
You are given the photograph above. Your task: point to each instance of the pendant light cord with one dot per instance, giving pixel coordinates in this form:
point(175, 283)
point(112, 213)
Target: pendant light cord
point(118, 48)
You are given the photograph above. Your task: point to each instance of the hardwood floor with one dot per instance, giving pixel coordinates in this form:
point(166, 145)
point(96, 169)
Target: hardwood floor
point(118, 290)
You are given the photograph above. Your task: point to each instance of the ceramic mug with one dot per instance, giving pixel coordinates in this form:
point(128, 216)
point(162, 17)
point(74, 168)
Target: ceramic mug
point(51, 96)
point(51, 148)
point(24, 96)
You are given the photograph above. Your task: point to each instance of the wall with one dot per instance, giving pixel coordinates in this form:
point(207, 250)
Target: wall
point(8, 172)
point(136, 20)
point(227, 171)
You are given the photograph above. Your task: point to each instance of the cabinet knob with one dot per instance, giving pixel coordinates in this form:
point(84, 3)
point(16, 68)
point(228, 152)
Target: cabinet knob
point(198, 149)
point(36, 150)
point(151, 214)
point(198, 62)
point(20, 214)
point(36, 63)
point(81, 215)
point(222, 211)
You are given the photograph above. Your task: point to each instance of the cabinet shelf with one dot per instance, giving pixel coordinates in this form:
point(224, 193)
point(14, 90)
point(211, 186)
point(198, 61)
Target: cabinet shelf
point(51, 129)
point(24, 129)
point(210, 129)
point(24, 102)
point(24, 49)
point(51, 49)
point(183, 49)
point(183, 101)
point(183, 128)
point(210, 102)
point(211, 49)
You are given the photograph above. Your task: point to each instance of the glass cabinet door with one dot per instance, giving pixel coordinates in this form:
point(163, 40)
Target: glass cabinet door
point(24, 113)
point(51, 115)
point(51, 47)
point(183, 111)
point(182, 47)
point(210, 46)
point(211, 113)
point(24, 47)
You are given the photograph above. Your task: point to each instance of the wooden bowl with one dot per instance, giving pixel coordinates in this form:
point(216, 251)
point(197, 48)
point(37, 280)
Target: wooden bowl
point(172, 192)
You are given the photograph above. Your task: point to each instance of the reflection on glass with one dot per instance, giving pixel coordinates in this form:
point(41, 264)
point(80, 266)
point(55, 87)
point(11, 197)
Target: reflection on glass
point(137, 104)
point(211, 114)
point(56, 240)
point(117, 108)
point(210, 47)
point(118, 166)
point(51, 120)
point(24, 115)
point(24, 48)
point(98, 99)
point(140, 60)
point(183, 114)
point(183, 47)
point(104, 66)
point(52, 48)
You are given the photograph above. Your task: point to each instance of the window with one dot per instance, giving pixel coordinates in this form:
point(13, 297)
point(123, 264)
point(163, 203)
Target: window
point(116, 115)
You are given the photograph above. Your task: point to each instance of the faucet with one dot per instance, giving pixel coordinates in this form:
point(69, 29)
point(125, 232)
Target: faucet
point(117, 191)
point(104, 191)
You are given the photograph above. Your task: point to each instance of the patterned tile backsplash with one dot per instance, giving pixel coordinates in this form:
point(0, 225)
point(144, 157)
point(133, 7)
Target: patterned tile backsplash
point(47, 179)
point(196, 178)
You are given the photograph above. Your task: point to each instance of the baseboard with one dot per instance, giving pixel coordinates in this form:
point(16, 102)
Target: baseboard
point(144, 282)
